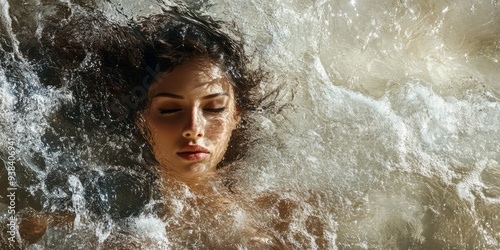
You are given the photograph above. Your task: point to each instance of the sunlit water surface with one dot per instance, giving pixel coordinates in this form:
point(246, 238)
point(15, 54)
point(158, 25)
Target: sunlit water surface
point(385, 134)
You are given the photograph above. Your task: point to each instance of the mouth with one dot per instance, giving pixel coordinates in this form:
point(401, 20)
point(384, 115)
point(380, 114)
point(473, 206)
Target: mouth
point(193, 153)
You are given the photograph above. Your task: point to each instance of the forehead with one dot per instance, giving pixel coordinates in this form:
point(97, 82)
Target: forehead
point(192, 78)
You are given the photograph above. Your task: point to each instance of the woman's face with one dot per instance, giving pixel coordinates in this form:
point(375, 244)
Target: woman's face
point(191, 116)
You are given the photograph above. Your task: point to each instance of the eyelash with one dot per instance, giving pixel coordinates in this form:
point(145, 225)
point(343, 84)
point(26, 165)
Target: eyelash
point(172, 111)
point(168, 111)
point(217, 110)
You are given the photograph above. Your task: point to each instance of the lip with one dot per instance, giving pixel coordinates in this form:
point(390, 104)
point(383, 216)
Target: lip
point(193, 153)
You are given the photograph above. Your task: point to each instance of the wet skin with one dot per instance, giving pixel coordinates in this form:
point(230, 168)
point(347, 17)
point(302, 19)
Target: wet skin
point(190, 119)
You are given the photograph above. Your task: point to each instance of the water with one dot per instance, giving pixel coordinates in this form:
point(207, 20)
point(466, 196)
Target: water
point(384, 134)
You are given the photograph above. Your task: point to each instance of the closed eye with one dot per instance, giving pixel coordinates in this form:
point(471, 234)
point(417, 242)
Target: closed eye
point(168, 111)
point(215, 110)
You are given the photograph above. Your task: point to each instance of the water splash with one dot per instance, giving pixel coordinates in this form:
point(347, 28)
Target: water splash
point(386, 136)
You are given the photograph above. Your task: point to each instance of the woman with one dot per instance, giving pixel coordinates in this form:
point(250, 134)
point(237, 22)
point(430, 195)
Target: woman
point(193, 103)
point(195, 98)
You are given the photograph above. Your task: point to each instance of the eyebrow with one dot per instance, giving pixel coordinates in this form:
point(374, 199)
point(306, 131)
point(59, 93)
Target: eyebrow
point(215, 95)
point(170, 95)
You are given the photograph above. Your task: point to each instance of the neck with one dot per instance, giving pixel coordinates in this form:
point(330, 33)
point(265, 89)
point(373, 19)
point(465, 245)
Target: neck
point(197, 185)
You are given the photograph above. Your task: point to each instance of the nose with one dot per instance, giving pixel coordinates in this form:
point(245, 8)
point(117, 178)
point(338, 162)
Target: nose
point(194, 125)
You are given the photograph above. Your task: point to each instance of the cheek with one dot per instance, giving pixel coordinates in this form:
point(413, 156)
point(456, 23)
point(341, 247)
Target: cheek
point(219, 129)
point(161, 132)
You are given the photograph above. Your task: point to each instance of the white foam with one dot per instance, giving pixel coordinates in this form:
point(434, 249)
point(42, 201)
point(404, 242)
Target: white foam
point(387, 131)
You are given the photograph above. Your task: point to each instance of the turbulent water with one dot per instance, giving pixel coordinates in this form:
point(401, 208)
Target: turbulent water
point(384, 134)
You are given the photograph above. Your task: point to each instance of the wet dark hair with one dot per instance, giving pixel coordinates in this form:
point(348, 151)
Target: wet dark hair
point(178, 36)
